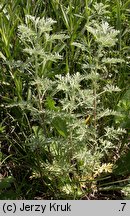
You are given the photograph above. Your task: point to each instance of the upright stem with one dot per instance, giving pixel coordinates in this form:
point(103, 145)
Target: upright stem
point(40, 106)
point(95, 105)
point(95, 89)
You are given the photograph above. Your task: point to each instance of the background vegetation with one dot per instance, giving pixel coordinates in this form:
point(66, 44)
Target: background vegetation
point(64, 99)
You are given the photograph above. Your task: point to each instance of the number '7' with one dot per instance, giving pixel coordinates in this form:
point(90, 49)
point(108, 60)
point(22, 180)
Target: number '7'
point(124, 204)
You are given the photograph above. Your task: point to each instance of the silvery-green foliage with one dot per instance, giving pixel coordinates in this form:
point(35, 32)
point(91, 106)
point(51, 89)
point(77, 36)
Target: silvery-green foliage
point(75, 95)
point(80, 101)
point(39, 42)
point(69, 83)
point(39, 45)
point(76, 98)
point(105, 35)
point(101, 9)
point(44, 85)
point(106, 112)
point(112, 133)
point(112, 60)
point(111, 88)
point(64, 131)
